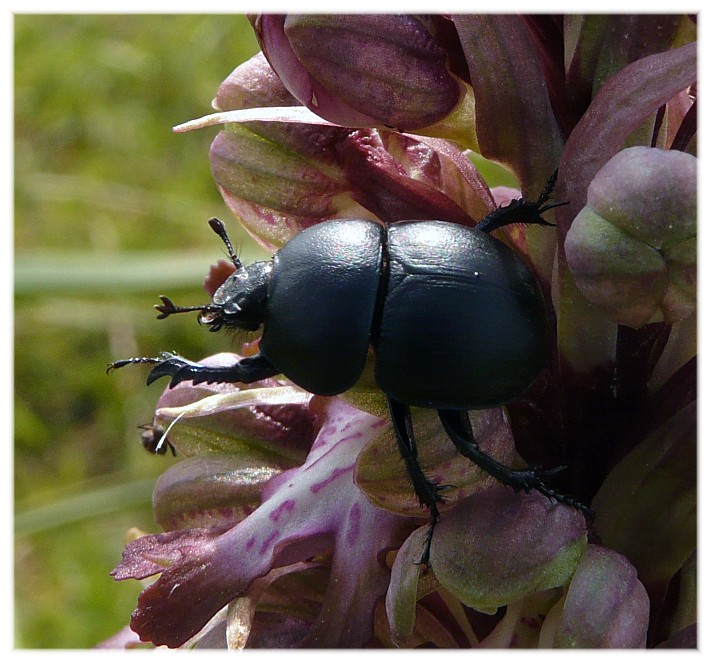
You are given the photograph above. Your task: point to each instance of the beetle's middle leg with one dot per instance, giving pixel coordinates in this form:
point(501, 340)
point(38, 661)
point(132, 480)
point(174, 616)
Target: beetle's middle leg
point(426, 490)
point(458, 427)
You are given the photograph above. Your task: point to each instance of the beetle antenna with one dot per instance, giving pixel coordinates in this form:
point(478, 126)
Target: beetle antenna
point(169, 308)
point(219, 229)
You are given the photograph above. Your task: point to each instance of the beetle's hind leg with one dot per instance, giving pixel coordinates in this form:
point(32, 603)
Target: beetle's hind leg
point(426, 490)
point(522, 211)
point(458, 427)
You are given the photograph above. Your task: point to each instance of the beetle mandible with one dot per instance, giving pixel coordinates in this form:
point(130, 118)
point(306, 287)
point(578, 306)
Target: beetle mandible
point(455, 318)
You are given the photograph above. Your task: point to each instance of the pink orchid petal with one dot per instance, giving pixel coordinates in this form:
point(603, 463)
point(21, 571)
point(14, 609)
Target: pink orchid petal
point(306, 511)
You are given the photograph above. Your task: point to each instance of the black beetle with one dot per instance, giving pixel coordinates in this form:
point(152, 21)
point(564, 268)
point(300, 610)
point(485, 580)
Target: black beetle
point(455, 318)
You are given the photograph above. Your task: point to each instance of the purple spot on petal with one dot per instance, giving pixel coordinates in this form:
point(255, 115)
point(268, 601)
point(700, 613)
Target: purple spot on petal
point(268, 542)
point(286, 506)
point(250, 542)
point(335, 474)
point(350, 437)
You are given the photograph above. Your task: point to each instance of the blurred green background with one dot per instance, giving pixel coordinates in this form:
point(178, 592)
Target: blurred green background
point(110, 211)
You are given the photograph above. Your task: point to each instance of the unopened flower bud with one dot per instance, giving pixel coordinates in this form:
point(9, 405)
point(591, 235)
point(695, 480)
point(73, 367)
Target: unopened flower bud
point(363, 70)
point(605, 606)
point(279, 177)
point(498, 547)
point(632, 248)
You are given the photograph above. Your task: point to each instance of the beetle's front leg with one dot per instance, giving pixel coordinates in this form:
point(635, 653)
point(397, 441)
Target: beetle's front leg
point(247, 370)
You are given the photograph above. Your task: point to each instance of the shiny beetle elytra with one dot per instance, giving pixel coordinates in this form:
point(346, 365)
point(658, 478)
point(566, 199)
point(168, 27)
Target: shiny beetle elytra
point(455, 318)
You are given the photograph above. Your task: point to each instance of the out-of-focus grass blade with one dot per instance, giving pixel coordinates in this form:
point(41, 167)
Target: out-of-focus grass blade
point(42, 271)
point(68, 510)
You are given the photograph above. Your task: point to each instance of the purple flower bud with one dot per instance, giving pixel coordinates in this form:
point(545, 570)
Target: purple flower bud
point(281, 168)
point(605, 606)
point(275, 190)
point(632, 249)
point(210, 490)
point(276, 177)
point(250, 85)
point(498, 547)
point(363, 70)
point(278, 181)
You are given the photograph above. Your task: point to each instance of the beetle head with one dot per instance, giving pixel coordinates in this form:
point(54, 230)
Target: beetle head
point(239, 303)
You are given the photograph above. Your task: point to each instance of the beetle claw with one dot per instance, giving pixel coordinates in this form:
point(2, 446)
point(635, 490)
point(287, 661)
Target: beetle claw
point(170, 366)
point(523, 211)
